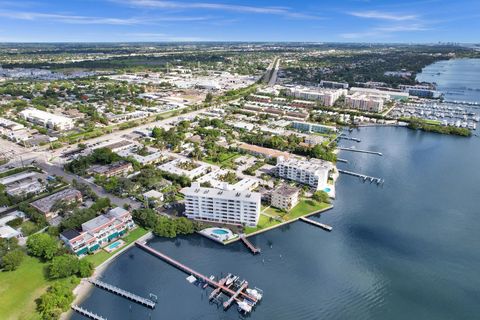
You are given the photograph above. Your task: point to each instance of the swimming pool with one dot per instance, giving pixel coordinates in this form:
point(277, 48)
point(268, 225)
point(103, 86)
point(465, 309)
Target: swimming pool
point(327, 189)
point(114, 245)
point(220, 232)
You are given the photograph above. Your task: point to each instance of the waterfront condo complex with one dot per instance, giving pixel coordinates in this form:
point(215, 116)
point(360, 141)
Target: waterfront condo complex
point(314, 173)
point(223, 206)
point(99, 231)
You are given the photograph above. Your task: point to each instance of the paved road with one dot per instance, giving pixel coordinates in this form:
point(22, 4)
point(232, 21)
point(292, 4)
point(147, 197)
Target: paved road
point(273, 77)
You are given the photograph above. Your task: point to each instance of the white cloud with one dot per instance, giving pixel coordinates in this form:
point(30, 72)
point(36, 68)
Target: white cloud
point(274, 10)
point(383, 15)
point(148, 36)
point(76, 19)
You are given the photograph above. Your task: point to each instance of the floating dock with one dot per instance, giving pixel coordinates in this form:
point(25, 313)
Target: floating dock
point(123, 293)
point(87, 313)
point(363, 176)
point(216, 285)
point(361, 151)
point(348, 138)
point(249, 245)
point(227, 303)
point(316, 223)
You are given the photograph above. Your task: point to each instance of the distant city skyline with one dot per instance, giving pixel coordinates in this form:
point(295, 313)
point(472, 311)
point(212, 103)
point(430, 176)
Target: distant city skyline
point(384, 21)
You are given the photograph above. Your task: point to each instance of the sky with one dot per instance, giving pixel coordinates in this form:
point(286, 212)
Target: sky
point(384, 21)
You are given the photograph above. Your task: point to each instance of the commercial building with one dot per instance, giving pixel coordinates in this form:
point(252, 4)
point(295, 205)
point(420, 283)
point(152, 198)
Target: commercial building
point(152, 156)
point(326, 97)
point(222, 206)
point(313, 127)
point(313, 173)
point(99, 231)
point(47, 119)
point(46, 205)
point(285, 197)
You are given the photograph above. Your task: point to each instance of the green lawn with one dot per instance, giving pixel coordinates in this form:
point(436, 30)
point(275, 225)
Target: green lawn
point(263, 223)
point(304, 207)
point(224, 159)
point(102, 255)
point(20, 288)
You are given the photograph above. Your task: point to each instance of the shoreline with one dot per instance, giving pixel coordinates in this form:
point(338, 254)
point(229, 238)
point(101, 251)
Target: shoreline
point(83, 290)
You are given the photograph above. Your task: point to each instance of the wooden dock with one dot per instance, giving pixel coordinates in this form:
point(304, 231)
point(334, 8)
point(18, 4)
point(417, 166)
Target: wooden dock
point(318, 224)
point(123, 293)
point(249, 245)
point(361, 151)
point(87, 313)
point(362, 176)
point(198, 275)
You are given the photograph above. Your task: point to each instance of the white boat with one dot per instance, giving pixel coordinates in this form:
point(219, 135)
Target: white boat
point(244, 306)
point(230, 280)
point(254, 293)
point(191, 279)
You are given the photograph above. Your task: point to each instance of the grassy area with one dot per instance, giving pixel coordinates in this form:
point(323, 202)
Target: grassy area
point(303, 208)
point(224, 159)
point(263, 223)
point(101, 256)
point(20, 288)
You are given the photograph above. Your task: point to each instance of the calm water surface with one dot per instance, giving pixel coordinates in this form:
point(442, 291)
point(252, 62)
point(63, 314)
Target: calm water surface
point(458, 79)
point(407, 250)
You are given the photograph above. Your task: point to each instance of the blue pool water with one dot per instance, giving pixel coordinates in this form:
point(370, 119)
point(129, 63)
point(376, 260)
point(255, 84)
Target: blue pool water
point(220, 231)
point(114, 245)
point(327, 189)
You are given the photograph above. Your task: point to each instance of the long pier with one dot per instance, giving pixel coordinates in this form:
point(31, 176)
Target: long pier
point(362, 176)
point(250, 246)
point(123, 293)
point(192, 272)
point(86, 313)
point(318, 224)
point(348, 138)
point(361, 151)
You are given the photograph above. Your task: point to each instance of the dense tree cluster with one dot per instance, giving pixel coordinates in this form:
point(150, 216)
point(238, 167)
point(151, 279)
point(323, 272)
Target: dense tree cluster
point(11, 254)
point(57, 299)
point(68, 265)
point(42, 245)
point(79, 216)
point(163, 226)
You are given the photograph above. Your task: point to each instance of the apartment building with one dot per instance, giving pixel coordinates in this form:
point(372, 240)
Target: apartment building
point(46, 205)
point(313, 127)
point(222, 206)
point(365, 102)
point(120, 168)
point(285, 197)
point(326, 97)
point(313, 173)
point(98, 232)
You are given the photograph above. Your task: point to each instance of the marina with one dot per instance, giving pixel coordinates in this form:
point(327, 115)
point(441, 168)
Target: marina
point(123, 293)
point(229, 285)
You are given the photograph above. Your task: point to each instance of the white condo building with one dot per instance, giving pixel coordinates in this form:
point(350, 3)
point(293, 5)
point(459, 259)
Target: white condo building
point(313, 173)
point(327, 97)
point(365, 102)
point(223, 206)
point(47, 119)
